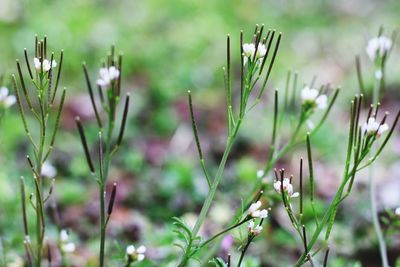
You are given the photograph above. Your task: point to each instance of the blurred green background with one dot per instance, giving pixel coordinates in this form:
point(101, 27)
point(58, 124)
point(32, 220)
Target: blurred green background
point(170, 47)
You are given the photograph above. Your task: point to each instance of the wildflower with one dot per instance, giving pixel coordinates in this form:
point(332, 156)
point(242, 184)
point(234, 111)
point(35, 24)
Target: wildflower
point(378, 46)
point(46, 64)
point(252, 229)
point(397, 211)
point(311, 98)
point(249, 49)
point(134, 254)
point(261, 50)
point(260, 174)
point(107, 75)
point(372, 127)
point(48, 170)
point(66, 246)
point(287, 187)
point(254, 210)
point(6, 100)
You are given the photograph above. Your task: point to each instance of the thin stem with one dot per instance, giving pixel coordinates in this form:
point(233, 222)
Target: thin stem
point(250, 238)
point(223, 232)
point(311, 173)
point(372, 187)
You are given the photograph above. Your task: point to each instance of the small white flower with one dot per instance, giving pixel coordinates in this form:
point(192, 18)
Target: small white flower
point(255, 206)
point(64, 235)
point(397, 211)
point(287, 187)
point(378, 46)
point(68, 247)
point(260, 174)
point(252, 229)
point(36, 62)
point(260, 214)
point(254, 211)
point(322, 102)
point(249, 49)
point(6, 100)
point(261, 50)
point(46, 64)
point(134, 254)
point(372, 126)
point(383, 128)
point(310, 96)
point(106, 76)
point(48, 170)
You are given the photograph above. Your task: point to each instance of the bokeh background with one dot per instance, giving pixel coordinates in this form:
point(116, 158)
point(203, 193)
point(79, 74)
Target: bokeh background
point(170, 47)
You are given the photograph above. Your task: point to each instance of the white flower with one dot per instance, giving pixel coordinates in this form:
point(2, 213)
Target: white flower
point(6, 100)
point(383, 128)
point(252, 229)
point(46, 64)
point(260, 214)
point(260, 173)
point(255, 206)
point(287, 187)
point(249, 49)
point(322, 102)
point(66, 246)
point(64, 235)
point(261, 50)
point(397, 211)
point(134, 254)
point(372, 126)
point(378, 46)
point(311, 97)
point(48, 170)
point(107, 75)
point(254, 211)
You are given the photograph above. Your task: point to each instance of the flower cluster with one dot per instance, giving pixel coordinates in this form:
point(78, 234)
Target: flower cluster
point(254, 229)
point(46, 64)
point(249, 49)
point(106, 76)
point(133, 254)
point(372, 127)
point(6, 100)
point(311, 98)
point(255, 212)
point(378, 47)
point(287, 187)
point(65, 245)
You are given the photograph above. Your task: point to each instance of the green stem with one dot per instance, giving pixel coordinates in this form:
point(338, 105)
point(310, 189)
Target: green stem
point(244, 251)
point(102, 183)
point(207, 203)
point(372, 187)
point(102, 225)
point(222, 232)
